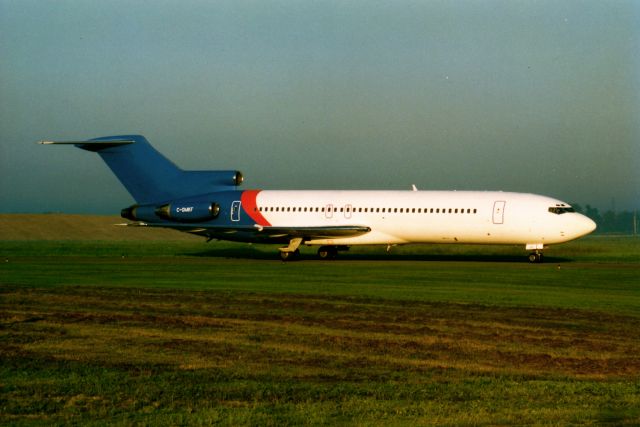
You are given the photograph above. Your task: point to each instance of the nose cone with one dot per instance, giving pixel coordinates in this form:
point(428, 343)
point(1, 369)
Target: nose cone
point(585, 225)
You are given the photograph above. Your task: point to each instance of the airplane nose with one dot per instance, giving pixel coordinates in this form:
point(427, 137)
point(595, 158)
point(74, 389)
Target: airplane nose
point(587, 225)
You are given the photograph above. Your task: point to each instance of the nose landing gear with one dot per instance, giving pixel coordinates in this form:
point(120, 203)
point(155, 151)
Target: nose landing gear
point(536, 257)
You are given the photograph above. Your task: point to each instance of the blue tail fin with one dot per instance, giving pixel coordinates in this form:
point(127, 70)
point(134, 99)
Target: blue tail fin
point(149, 176)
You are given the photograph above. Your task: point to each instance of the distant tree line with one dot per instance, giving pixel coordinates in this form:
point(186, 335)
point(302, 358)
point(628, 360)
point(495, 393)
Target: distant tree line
point(612, 222)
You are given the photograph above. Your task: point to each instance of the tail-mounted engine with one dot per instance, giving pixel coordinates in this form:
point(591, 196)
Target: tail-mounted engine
point(185, 211)
point(188, 212)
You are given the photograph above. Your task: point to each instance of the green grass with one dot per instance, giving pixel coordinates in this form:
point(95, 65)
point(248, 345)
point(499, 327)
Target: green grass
point(188, 333)
point(613, 249)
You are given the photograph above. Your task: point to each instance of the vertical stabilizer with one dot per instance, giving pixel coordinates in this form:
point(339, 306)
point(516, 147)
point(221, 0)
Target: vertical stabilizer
point(149, 176)
point(146, 174)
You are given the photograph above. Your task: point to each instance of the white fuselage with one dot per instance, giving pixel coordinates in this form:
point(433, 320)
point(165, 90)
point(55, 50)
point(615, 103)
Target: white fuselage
point(403, 217)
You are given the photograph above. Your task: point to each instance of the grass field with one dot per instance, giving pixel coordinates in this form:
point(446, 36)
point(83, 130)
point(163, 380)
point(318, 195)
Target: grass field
point(183, 332)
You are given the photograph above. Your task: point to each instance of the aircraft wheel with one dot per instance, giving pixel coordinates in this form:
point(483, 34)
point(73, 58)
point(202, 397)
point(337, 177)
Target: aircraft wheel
point(327, 252)
point(536, 258)
point(290, 256)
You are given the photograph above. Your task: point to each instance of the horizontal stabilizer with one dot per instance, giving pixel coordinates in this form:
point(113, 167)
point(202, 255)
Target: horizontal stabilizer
point(95, 146)
point(91, 143)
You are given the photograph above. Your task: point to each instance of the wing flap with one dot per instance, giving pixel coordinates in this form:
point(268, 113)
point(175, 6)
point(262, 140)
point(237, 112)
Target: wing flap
point(323, 232)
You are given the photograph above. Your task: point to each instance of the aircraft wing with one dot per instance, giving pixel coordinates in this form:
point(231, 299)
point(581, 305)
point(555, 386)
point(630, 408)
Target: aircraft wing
point(324, 232)
point(268, 233)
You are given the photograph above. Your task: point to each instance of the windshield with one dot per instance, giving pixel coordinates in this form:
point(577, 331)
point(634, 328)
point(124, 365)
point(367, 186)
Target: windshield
point(559, 210)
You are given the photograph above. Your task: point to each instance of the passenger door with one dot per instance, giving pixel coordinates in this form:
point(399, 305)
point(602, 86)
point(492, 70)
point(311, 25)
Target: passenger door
point(498, 212)
point(235, 211)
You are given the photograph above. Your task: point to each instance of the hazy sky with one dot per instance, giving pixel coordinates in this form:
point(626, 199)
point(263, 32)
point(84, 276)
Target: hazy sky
point(531, 96)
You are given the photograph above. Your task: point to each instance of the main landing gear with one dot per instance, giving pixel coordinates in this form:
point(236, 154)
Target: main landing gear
point(290, 256)
point(292, 253)
point(327, 252)
point(330, 252)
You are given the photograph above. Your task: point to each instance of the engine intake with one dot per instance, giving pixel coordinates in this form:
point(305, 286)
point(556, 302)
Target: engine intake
point(201, 182)
point(238, 178)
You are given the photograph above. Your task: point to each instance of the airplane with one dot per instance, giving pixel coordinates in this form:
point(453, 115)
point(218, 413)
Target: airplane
point(210, 204)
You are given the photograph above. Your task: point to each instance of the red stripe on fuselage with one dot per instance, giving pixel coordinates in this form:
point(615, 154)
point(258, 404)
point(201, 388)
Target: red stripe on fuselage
point(250, 206)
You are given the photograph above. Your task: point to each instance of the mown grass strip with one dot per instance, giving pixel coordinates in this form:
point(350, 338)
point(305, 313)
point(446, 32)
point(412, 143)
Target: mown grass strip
point(609, 287)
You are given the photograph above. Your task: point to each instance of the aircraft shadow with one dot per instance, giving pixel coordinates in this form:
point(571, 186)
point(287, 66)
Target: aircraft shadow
point(250, 254)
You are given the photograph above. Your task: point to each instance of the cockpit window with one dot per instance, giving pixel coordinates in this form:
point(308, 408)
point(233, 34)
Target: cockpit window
point(559, 210)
